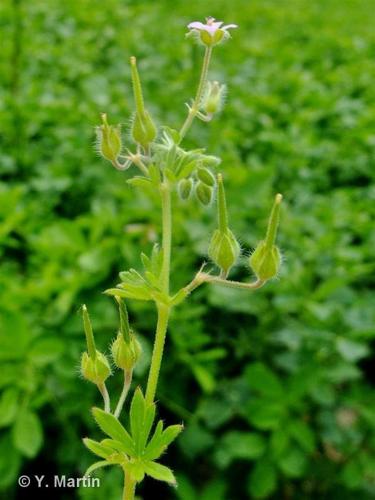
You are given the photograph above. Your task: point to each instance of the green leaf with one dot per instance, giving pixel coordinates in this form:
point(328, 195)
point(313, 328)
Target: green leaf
point(110, 425)
point(154, 449)
point(239, 445)
point(279, 442)
point(264, 381)
point(141, 419)
point(119, 446)
point(170, 434)
point(302, 433)
point(204, 377)
point(137, 410)
point(46, 350)
point(263, 480)
point(28, 433)
point(293, 463)
point(160, 472)
point(95, 466)
point(10, 461)
point(130, 292)
point(264, 414)
point(141, 182)
point(98, 448)
point(8, 406)
point(351, 350)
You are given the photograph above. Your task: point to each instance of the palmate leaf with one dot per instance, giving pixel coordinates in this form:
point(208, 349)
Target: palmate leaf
point(134, 450)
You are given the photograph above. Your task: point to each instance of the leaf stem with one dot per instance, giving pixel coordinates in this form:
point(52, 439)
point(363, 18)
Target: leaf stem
point(193, 111)
point(128, 375)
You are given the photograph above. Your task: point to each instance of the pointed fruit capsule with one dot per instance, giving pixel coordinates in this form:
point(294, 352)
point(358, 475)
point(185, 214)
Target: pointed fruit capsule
point(266, 259)
point(109, 142)
point(143, 129)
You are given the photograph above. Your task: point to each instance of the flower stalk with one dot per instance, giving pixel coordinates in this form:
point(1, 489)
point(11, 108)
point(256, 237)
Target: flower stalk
point(166, 168)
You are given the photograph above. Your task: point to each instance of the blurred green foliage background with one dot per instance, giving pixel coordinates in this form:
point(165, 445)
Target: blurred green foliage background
point(276, 388)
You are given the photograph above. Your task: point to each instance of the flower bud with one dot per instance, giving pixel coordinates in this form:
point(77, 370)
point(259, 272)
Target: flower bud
point(109, 143)
point(203, 193)
point(205, 176)
point(143, 129)
point(185, 187)
point(266, 259)
point(126, 354)
point(213, 98)
point(97, 369)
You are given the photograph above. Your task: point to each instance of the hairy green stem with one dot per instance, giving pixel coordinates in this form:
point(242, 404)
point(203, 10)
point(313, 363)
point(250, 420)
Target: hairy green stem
point(104, 392)
point(162, 309)
point(167, 234)
point(157, 355)
point(127, 383)
point(129, 488)
point(229, 283)
point(193, 111)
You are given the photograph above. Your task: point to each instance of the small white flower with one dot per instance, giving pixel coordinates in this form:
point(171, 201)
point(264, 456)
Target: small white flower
point(211, 33)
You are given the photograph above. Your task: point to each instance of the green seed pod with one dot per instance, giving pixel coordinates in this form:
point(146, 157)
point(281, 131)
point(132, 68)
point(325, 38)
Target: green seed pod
point(185, 187)
point(203, 193)
point(213, 98)
point(224, 250)
point(143, 129)
point(205, 176)
point(109, 142)
point(95, 370)
point(125, 355)
point(266, 259)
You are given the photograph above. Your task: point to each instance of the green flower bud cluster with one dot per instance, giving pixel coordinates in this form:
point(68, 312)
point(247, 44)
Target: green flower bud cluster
point(109, 143)
point(224, 249)
point(266, 258)
point(202, 186)
point(205, 186)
